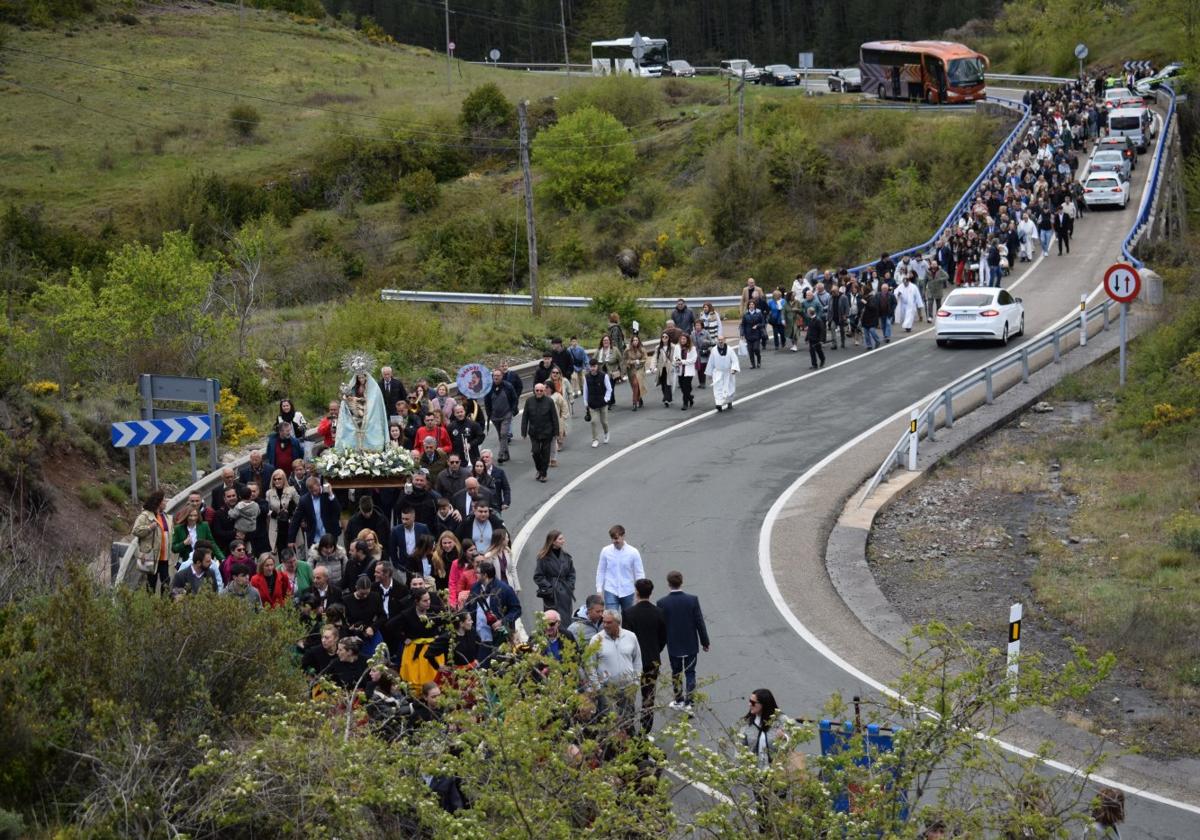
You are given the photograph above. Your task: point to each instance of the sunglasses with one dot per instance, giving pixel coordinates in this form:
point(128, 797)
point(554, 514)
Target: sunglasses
point(754, 702)
point(551, 623)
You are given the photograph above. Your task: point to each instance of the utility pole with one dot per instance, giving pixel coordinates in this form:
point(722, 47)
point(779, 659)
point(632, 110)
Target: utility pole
point(530, 231)
point(449, 63)
point(562, 14)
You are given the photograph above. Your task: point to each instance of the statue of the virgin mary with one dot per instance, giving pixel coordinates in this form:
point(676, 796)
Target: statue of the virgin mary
point(362, 419)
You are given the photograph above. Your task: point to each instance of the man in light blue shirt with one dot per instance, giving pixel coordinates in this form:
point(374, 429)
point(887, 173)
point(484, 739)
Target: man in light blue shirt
point(620, 565)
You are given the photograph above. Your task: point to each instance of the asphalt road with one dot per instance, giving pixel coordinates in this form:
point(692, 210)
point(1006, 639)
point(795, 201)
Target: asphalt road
point(692, 488)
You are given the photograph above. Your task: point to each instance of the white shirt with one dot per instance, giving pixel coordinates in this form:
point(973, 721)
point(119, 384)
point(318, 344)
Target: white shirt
point(618, 569)
point(619, 660)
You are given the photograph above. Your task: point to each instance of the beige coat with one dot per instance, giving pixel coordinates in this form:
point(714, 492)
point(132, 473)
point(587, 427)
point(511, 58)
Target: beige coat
point(149, 535)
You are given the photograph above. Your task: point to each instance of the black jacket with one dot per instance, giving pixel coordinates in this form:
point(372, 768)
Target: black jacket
point(376, 522)
point(649, 624)
point(305, 517)
point(393, 392)
point(539, 420)
point(509, 392)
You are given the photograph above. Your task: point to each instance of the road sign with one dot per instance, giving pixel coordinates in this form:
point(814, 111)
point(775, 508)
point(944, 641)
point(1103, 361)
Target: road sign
point(494, 55)
point(1081, 51)
point(638, 45)
point(805, 61)
point(1122, 282)
point(451, 46)
point(155, 432)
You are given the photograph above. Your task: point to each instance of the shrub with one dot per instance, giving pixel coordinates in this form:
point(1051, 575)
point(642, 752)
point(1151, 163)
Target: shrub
point(630, 100)
point(244, 120)
point(401, 334)
point(91, 496)
point(481, 252)
point(419, 191)
point(114, 492)
point(236, 428)
point(488, 120)
point(303, 8)
point(586, 158)
point(1184, 529)
point(736, 191)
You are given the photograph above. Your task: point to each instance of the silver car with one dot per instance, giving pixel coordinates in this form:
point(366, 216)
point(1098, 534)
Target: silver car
point(1109, 160)
point(845, 80)
point(1105, 189)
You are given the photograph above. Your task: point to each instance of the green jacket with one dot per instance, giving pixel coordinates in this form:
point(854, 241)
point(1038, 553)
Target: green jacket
point(203, 532)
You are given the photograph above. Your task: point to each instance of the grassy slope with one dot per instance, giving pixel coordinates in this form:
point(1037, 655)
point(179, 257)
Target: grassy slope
point(52, 150)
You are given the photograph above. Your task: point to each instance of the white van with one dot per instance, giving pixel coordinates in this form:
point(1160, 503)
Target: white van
point(1134, 123)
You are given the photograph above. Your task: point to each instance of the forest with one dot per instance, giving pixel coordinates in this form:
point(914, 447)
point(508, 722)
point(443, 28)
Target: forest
point(702, 31)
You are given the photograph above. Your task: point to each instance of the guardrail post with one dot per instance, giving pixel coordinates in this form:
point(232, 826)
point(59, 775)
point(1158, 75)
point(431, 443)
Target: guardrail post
point(1024, 365)
point(1083, 320)
point(1057, 354)
point(912, 440)
point(949, 402)
point(988, 393)
point(1106, 307)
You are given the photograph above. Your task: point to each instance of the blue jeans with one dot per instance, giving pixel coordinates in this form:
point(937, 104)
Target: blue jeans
point(687, 665)
point(1044, 237)
point(614, 602)
point(887, 327)
point(870, 337)
point(994, 274)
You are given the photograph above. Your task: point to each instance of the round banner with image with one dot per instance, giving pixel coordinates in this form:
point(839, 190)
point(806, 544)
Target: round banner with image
point(474, 381)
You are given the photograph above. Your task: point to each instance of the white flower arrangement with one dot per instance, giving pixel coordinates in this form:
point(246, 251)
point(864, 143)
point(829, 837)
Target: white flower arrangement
point(355, 463)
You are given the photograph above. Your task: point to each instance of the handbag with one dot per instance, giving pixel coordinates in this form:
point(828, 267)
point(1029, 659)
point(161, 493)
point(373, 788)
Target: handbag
point(146, 562)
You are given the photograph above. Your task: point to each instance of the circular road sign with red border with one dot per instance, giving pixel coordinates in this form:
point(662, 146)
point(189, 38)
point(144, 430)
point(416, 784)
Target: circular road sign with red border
point(1122, 282)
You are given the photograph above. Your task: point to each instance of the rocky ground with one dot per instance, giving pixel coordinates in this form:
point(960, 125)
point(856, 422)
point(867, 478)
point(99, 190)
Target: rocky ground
point(963, 545)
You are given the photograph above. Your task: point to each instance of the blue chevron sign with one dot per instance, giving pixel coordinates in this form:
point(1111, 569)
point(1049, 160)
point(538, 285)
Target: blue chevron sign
point(155, 432)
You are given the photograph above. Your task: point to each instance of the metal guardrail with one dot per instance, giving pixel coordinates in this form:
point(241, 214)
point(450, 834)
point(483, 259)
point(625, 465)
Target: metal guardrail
point(468, 298)
point(1145, 213)
point(1029, 80)
point(1055, 338)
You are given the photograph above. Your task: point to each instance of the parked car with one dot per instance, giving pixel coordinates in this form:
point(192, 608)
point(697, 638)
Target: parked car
point(740, 68)
point(680, 69)
point(975, 313)
point(845, 80)
point(1105, 189)
point(778, 75)
point(1110, 160)
point(1115, 94)
point(1148, 85)
point(1124, 144)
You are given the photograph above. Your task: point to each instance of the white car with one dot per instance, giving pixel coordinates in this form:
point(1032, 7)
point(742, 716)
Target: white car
point(1109, 160)
point(1105, 188)
point(740, 68)
point(979, 313)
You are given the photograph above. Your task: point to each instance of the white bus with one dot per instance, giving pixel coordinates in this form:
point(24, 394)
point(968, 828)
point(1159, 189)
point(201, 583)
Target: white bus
point(615, 57)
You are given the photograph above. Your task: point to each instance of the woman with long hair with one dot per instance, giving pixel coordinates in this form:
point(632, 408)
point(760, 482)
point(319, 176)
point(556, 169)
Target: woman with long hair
point(462, 574)
point(152, 530)
point(762, 727)
point(498, 553)
point(664, 364)
point(555, 575)
point(686, 369)
point(441, 558)
point(442, 401)
point(289, 414)
point(635, 365)
point(557, 388)
point(274, 587)
point(191, 531)
point(282, 501)
point(612, 362)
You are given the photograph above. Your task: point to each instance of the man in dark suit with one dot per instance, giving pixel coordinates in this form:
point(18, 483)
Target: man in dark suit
point(326, 592)
point(501, 489)
point(228, 480)
point(686, 635)
point(370, 518)
point(649, 624)
point(256, 472)
point(404, 537)
point(1064, 228)
point(393, 392)
point(464, 500)
point(318, 513)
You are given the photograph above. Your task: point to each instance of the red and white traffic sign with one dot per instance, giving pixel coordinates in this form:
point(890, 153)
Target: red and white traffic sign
point(1122, 282)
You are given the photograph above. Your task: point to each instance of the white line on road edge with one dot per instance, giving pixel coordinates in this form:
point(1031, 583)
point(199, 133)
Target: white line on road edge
point(768, 577)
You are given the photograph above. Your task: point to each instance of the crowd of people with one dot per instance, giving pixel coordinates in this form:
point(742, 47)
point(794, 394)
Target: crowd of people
point(403, 589)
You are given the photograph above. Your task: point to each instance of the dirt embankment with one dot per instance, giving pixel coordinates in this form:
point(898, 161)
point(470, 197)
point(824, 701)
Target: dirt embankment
point(1005, 522)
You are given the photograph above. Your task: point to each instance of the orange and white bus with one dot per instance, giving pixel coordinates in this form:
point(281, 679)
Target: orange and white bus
point(929, 71)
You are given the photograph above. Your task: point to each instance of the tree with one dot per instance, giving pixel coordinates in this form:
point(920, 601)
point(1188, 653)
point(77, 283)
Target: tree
point(146, 304)
point(239, 287)
point(737, 189)
point(587, 159)
point(488, 120)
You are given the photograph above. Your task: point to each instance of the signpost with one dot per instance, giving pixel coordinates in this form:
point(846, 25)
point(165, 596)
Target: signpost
point(186, 389)
point(638, 51)
point(1081, 52)
point(1123, 284)
point(1014, 646)
point(187, 428)
point(494, 55)
point(804, 64)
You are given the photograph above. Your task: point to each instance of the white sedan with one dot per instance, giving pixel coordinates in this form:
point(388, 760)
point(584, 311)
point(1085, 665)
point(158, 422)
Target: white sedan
point(979, 312)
